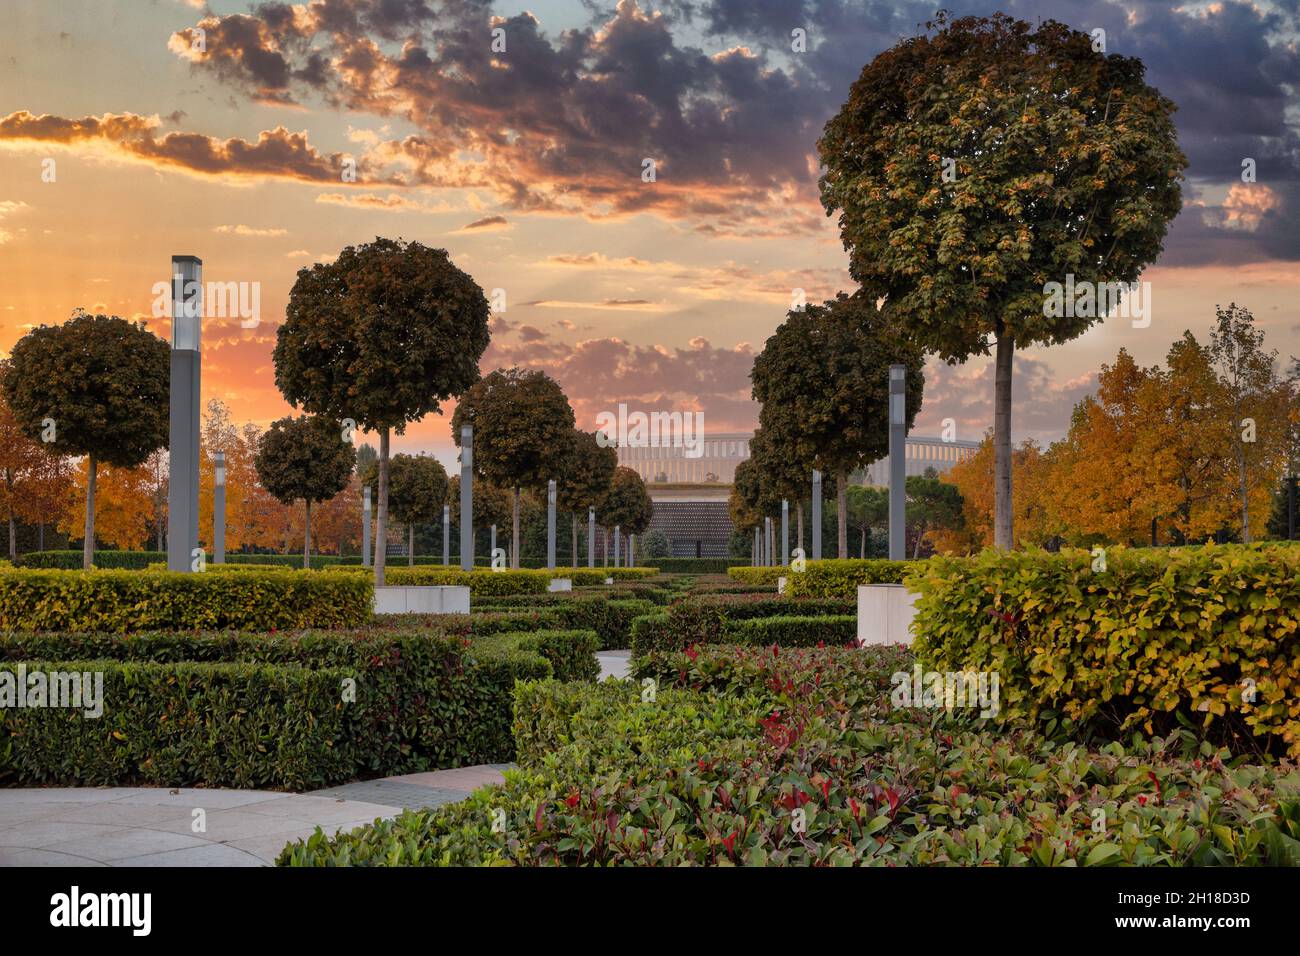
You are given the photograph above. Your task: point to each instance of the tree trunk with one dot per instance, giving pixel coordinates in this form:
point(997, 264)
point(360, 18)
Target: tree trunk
point(306, 539)
point(410, 544)
point(1003, 537)
point(514, 532)
point(841, 514)
point(88, 546)
point(573, 520)
point(381, 517)
point(862, 552)
point(1153, 533)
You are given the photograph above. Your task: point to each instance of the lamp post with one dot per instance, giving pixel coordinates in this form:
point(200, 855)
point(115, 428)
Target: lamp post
point(550, 525)
point(591, 537)
point(817, 516)
point(446, 535)
point(186, 362)
point(219, 508)
point(365, 526)
point(897, 462)
point(785, 533)
point(467, 498)
point(616, 547)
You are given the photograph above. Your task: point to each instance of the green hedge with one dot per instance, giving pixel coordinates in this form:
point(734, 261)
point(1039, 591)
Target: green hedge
point(830, 630)
point(757, 577)
point(50, 600)
point(840, 578)
point(709, 619)
point(479, 582)
point(140, 560)
point(709, 769)
point(571, 654)
point(1156, 639)
point(694, 565)
point(423, 701)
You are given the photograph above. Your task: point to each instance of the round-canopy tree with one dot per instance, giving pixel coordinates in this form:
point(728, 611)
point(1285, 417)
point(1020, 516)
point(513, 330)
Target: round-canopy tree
point(382, 335)
point(972, 167)
point(627, 505)
point(745, 505)
point(823, 381)
point(523, 432)
point(304, 458)
point(586, 480)
point(97, 386)
point(417, 490)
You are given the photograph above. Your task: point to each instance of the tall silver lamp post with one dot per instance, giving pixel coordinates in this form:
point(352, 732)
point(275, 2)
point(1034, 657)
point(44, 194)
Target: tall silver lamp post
point(591, 537)
point(897, 460)
point(467, 498)
point(817, 516)
point(550, 525)
point(186, 361)
point(219, 508)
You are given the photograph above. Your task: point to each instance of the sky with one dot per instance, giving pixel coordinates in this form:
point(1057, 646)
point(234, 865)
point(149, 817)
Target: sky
point(132, 130)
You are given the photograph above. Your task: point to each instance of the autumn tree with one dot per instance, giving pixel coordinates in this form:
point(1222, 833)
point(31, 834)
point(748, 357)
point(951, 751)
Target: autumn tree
point(22, 462)
point(124, 504)
point(823, 381)
point(1036, 518)
point(972, 166)
point(627, 505)
point(97, 386)
point(383, 335)
point(304, 458)
point(585, 481)
point(523, 432)
point(932, 506)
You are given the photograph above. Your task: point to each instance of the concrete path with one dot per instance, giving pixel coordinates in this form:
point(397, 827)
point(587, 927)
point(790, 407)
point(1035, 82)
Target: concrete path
point(613, 663)
point(139, 826)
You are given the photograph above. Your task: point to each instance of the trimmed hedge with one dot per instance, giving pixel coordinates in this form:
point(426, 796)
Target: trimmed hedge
point(710, 770)
point(839, 578)
point(52, 600)
point(709, 619)
point(1157, 639)
point(422, 702)
point(571, 654)
point(611, 619)
point(694, 565)
point(758, 576)
point(71, 560)
point(480, 582)
point(829, 630)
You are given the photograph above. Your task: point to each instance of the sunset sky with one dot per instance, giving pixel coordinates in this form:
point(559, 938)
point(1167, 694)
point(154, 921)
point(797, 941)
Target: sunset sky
point(526, 166)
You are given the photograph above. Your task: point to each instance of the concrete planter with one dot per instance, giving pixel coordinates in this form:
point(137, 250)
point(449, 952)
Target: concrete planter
point(422, 599)
point(885, 613)
point(780, 585)
point(561, 584)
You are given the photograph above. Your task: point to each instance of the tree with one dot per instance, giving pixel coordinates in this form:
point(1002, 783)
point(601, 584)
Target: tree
point(22, 462)
point(523, 432)
point(1036, 518)
point(585, 481)
point(627, 506)
point(867, 508)
point(823, 381)
point(973, 166)
point(417, 491)
point(124, 505)
point(1257, 403)
point(383, 335)
point(932, 505)
point(744, 505)
point(654, 544)
point(782, 474)
point(97, 386)
point(304, 458)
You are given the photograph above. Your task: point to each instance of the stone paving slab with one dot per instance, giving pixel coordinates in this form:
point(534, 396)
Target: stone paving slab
point(613, 663)
point(153, 826)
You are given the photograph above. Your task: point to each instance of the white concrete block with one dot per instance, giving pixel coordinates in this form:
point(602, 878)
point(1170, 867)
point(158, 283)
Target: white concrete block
point(885, 613)
point(422, 599)
point(561, 584)
point(780, 585)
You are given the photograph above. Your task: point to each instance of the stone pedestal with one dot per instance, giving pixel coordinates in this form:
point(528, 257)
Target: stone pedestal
point(422, 599)
point(885, 613)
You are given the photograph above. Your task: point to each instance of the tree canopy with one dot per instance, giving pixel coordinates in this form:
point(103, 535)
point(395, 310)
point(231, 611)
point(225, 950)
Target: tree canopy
point(304, 458)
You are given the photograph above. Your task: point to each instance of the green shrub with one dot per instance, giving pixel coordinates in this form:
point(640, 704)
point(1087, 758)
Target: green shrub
point(652, 632)
point(1156, 639)
point(50, 600)
point(709, 619)
point(840, 578)
point(571, 654)
point(480, 582)
point(694, 565)
point(763, 577)
point(421, 701)
point(710, 769)
point(831, 630)
point(71, 560)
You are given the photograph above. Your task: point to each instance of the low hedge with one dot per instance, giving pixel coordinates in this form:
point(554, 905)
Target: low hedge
point(1156, 639)
point(746, 757)
point(53, 600)
point(709, 619)
point(571, 654)
point(423, 701)
point(839, 578)
point(71, 560)
point(694, 565)
point(479, 582)
point(758, 576)
point(610, 619)
point(829, 630)
point(587, 577)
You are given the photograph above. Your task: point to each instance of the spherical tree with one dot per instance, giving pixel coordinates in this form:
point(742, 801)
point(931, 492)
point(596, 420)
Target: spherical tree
point(417, 490)
point(627, 505)
point(305, 458)
point(972, 167)
point(97, 386)
point(383, 335)
point(523, 432)
point(585, 480)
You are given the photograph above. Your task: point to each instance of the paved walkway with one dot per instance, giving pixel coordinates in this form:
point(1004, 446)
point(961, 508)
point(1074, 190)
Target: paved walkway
point(145, 826)
point(613, 663)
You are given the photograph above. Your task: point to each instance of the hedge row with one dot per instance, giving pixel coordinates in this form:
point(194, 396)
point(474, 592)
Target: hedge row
point(758, 576)
point(742, 756)
point(1151, 639)
point(139, 560)
point(712, 619)
point(829, 630)
point(53, 600)
point(840, 578)
point(571, 654)
point(271, 710)
point(694, 565)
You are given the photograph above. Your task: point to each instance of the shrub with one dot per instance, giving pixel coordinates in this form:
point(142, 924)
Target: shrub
point(588, 577)
point(711, 770)
point(708, 619)
point(71, 560)
point(694, 565)
point(50, 600)
point(571, 654)
point(480, 582)
point(652, 632)
point(758, 577)
point(840, 578)
point(834, 630)
point(1157, 639)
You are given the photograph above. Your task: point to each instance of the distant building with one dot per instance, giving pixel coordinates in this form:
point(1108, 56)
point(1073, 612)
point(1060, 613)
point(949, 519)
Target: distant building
point(691, 495)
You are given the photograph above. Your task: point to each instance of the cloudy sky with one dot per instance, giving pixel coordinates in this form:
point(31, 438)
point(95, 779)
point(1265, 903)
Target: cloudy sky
point(227, 130)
